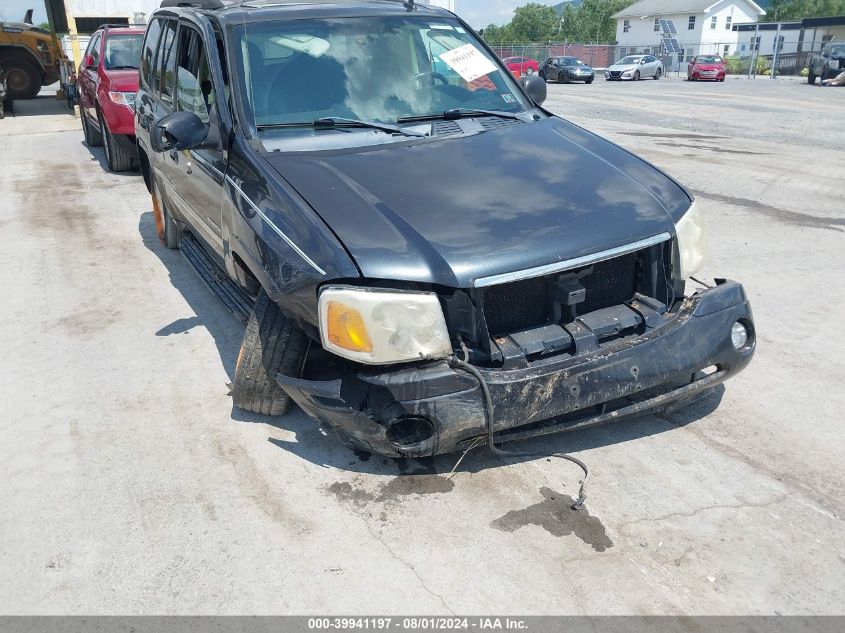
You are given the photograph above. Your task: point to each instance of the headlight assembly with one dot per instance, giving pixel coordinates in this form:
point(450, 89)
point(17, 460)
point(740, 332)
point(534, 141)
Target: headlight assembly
point(691, 248)
point(379, 326)
point(123, 98)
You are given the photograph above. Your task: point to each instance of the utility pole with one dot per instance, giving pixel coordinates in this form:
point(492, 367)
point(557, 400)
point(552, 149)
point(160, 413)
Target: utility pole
point(776, 54)
point(756, 50)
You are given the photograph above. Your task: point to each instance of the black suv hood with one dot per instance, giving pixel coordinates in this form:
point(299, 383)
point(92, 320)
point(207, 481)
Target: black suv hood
point(449, 211)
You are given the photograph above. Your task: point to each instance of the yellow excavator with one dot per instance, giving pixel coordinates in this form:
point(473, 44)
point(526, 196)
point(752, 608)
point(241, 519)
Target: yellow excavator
point(30, 57)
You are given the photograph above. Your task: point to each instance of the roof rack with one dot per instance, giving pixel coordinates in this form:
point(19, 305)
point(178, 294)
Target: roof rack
point(200, 4)
point(120, 26)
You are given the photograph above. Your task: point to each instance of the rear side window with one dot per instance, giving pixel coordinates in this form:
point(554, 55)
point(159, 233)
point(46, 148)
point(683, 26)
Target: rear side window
point(165, 67)
point(148, 54)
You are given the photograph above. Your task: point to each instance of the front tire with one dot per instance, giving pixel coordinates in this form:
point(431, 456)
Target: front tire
point(562, 79)
point(588, 81)
point(93, 138)
point(657, 74)
point(117, 158)
point(811, 77)
point(636, 75)
point(23, 79)
point(272, 345)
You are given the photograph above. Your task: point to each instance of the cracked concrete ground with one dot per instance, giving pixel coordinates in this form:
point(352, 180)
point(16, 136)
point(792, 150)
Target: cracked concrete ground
point(128, 485)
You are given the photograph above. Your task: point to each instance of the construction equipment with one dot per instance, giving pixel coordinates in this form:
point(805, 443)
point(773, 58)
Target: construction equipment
point(30, 57)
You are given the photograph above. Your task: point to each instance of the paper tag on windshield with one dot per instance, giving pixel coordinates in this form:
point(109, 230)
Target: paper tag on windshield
point(468, 62)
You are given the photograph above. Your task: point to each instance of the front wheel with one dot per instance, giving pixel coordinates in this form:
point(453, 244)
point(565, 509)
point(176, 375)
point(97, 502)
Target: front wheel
point(93, 138)
point(636, 75)
point(657, 74)
point(588, 81)
point(811, 77)
point(117, 158)
point(272, 345)
point(562, 78)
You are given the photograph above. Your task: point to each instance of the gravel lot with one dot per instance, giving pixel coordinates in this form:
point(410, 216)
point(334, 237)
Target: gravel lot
point(128, 485)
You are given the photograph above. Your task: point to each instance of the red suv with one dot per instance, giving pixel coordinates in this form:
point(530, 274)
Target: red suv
point(106, 85)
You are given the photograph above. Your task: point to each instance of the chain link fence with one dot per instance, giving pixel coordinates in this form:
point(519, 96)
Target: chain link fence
point(743, 58)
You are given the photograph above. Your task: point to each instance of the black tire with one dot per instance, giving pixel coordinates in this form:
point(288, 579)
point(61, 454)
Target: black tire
point(93, 138)
point(272, 345)
point(166, 227)
point(811, 78)
point(542, 76)
point(636, 75)
point(657, 74)
point(23, 79)
point(118, 159)
point(588, 81)
point(562, 78)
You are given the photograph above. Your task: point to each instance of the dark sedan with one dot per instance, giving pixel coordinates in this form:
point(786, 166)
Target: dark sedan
point(566, 69)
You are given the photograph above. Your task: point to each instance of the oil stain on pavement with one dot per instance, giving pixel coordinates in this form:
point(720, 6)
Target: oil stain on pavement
point(555, 515)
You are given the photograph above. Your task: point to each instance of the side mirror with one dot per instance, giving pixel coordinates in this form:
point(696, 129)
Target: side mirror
point(642, 62)
point(535, 87)
point(178, 131)
point(88, 61)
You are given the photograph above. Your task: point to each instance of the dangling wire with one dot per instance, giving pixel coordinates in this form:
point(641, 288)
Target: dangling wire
point(488, 414)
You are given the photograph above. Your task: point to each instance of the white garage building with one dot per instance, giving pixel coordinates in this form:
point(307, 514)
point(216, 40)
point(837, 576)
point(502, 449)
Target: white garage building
point(701, 26)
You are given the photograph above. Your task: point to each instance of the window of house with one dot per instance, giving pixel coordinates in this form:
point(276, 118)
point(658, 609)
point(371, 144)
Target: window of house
point(726, 50)
point(728, 23)
point(713, 22)
point(691, 25)
point(681, 57)
point(626, 26)
point(656, 25)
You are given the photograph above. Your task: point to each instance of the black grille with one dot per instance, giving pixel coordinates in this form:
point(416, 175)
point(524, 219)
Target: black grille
point(615, 73)
point(525, 304)
point(610, 283)
point(516, 306)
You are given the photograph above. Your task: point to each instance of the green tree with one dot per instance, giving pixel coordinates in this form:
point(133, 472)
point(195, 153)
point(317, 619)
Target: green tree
point(595, 23)
point(534, 22)
point(788, 10)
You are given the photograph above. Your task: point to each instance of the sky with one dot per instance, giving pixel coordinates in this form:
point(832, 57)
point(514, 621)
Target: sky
point(478, 13)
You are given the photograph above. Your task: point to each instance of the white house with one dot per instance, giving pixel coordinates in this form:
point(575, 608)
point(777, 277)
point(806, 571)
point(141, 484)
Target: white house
point(703, 26)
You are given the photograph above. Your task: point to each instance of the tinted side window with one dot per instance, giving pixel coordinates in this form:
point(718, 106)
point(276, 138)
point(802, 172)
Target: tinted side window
point(194, 91)
point(165, 68)
point(148, 54)
point(94, 49)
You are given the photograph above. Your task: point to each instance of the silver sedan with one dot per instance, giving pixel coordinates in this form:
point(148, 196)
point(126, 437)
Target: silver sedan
point(635, 67)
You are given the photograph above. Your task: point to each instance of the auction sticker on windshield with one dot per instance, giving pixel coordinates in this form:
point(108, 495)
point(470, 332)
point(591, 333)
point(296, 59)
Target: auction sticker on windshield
point(468, 62)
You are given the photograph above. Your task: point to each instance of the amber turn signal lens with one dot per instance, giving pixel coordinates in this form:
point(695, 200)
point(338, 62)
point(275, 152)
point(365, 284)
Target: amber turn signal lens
point(346, 328)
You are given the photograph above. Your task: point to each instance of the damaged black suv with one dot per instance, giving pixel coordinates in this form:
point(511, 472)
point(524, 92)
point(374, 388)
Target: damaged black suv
point(422, 255)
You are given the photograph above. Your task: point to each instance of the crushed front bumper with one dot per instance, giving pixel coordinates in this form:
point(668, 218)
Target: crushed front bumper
point(433, 408)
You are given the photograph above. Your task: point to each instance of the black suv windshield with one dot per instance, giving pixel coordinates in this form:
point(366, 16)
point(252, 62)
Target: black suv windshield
point(367, 68)
point(123, 51)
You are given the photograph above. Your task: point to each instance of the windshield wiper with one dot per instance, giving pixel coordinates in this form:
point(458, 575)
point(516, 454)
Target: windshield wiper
point(460, 113)
point(336, 121)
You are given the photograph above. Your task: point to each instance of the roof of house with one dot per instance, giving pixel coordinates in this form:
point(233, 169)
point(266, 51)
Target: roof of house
point(647, 8)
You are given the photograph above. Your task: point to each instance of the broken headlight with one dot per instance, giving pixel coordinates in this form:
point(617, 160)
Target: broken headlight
point(691, 246)
point(378, 326)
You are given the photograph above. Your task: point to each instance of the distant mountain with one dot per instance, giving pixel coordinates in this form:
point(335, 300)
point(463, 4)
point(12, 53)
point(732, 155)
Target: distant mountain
point(559, 7)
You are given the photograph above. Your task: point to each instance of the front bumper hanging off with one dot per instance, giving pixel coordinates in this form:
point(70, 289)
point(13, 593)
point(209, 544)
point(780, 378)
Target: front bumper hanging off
point(433, 408)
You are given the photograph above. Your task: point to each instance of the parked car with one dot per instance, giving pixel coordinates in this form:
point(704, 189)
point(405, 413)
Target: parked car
point(635, 67)
point(106, 85)
point(706, 67)
point(522, 65)
point(830, 63)
point(566, 69)
point(413, 271)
